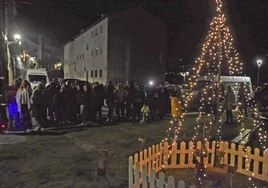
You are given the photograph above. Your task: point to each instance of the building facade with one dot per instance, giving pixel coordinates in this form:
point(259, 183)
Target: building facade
point(129, 45)
point(42, 50)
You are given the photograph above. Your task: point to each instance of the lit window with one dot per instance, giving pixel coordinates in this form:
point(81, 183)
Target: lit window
point(92, 74)
point(101, 29)
point(100, 73)
point(96, 73)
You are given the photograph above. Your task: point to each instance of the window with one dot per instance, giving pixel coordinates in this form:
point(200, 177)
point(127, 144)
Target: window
point(96, 32)
point(97, 51)
point(92, 74)
point(96, 73)
point(101, 50)
point(101, 29)
point(83, 56)
point(92, 34)
point(92, 52)
point(100, 73)
point(87, 47)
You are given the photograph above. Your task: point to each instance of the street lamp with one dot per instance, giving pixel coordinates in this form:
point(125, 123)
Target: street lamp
point(17, 38)
point(151, 83)
point(259, 63)
point(184, 74)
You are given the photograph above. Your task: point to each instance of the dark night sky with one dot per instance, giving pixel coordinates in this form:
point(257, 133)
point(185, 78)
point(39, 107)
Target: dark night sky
point(187, 22)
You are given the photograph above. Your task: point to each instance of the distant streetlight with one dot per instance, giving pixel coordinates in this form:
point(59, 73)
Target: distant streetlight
point(17, 38)
point(184, 74)
point(259, 63)
point(151, 83)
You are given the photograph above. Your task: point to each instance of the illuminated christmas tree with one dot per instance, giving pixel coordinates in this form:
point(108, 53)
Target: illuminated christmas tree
point(218, 57)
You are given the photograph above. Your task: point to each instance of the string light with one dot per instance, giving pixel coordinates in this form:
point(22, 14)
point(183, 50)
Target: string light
point(217, 48)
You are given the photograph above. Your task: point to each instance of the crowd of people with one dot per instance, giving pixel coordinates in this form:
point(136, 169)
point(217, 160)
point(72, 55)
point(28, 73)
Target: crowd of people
point(65, 102)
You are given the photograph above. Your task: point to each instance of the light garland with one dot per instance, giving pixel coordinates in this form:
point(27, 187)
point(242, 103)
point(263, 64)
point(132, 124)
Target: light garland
point(217, 48)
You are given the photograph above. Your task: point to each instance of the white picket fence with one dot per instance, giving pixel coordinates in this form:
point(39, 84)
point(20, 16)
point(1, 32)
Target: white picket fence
point(145, 166)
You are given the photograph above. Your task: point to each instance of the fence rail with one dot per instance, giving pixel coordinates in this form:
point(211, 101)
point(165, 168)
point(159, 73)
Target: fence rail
point(144, 166)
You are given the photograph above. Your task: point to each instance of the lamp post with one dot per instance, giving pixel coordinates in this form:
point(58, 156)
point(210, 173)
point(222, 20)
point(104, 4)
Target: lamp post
point(259, 63)
point(184, 74)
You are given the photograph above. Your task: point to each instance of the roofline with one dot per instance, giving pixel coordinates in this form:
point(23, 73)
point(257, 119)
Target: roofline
point(106, 16)
point(86, 29)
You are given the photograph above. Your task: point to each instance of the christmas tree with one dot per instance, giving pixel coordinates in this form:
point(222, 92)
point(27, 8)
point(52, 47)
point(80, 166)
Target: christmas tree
point(218, 57)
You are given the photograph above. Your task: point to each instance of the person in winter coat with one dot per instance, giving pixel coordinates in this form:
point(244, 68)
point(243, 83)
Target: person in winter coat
point(163, 101)
point(23, 100)
point(176, 112)
point(72, 103)
point(109, 97)
point(39, 106)
point(228, 104)
point(97, 101)
point(242, 99)
point(119, 95)
point(63, 104)
point(13, 106)
point(138, 102)
point(129, 100)
point(84, 100)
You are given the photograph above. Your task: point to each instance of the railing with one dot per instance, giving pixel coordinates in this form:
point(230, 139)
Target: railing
point(144, 166)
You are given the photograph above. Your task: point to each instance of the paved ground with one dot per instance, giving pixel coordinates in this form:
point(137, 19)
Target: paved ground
point(11, 139)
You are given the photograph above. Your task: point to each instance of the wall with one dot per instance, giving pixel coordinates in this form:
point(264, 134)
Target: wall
point(89, 53)
point(137, 47)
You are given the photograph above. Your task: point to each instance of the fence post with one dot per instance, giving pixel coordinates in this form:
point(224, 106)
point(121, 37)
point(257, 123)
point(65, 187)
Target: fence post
point(145, 156)
point(192, 186)
point(144, 177)
point(157, 158)
point(190, 156)
point(240, 157)
point(213, 153)
point(166, 153)
point(248, 159)
point(265, 165)
point(182, 155)
point(153, 161)
point(161, 155)
point(256, 162)
point(150, 161)
point(171, 182)
point(225, 157)
point(152, 179)
point(232, 160)
point(130, 172)
point(173, 163)
point(141, 160)
point(181, 184)
point(161, 181)
point(137, 175)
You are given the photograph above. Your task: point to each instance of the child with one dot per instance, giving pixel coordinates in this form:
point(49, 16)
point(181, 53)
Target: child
point(145, 110)
point(175, 112)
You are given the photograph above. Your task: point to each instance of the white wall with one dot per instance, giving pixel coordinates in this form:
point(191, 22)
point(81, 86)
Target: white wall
point(78, 56)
